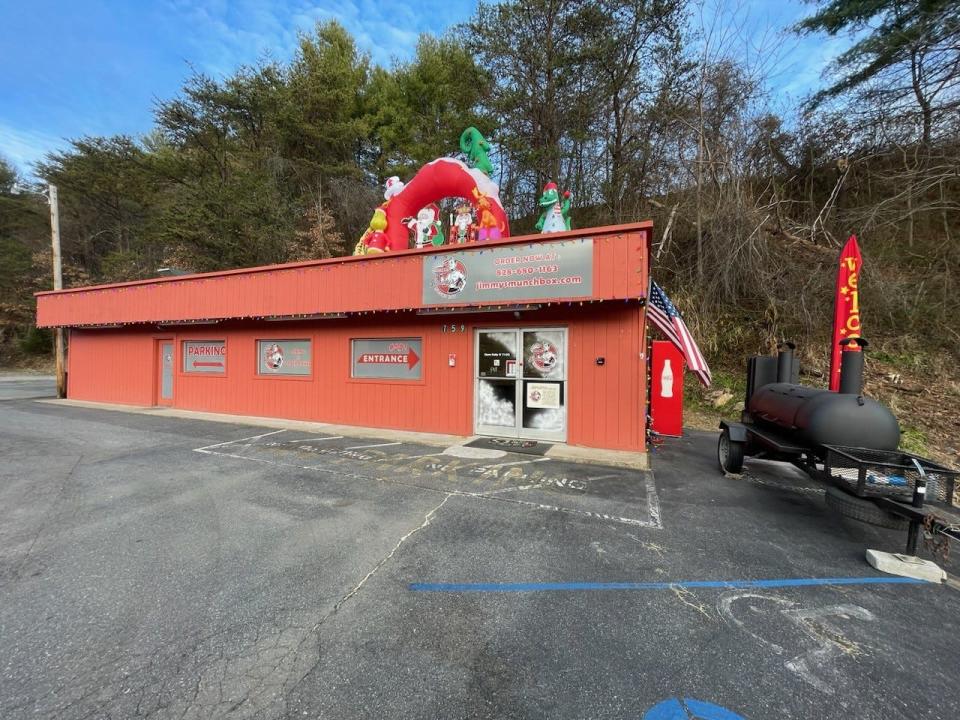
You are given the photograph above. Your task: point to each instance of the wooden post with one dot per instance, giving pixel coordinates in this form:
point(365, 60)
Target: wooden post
point(57, 285)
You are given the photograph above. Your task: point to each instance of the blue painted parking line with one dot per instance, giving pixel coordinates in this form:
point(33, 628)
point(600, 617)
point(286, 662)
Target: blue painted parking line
point(688, 584)
point(689, 709)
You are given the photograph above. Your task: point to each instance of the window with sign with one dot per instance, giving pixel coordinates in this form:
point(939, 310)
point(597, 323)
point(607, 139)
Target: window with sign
point(387, 358)
point(278, 357)
point(205, 357)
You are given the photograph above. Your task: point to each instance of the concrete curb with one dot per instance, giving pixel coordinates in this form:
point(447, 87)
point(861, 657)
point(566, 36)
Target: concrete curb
point(559, 452)
point(906, 566)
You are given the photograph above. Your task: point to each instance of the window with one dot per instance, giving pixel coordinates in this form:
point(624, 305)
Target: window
point(389, 358)
point(205, 357)
point(285, 357)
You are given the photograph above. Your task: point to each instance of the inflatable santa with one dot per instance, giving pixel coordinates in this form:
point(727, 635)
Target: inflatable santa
point(427, 228)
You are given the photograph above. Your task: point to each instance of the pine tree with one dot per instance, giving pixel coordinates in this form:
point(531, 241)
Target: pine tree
point(906, 50)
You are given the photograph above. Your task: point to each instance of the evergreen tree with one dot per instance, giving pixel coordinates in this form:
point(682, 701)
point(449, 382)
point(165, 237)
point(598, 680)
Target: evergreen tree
point(228, 200)
point(907, 50)
point(324, 129)
point(421, 107)
point(24, 231)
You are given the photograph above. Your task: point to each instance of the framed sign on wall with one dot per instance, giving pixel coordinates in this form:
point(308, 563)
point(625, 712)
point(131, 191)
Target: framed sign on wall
point(561, 269)
point(284, 357)
point(386, 358)
point(205, 357)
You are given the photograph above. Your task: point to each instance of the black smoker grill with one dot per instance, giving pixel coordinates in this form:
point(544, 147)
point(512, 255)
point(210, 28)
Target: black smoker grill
point(844, 439)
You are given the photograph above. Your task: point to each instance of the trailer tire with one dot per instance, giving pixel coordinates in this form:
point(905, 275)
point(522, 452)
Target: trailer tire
point(729, 453)
point(866, 511)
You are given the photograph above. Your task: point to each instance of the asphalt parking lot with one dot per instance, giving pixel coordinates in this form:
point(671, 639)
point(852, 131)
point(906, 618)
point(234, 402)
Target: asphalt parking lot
point(20, 386)
point(174, 568)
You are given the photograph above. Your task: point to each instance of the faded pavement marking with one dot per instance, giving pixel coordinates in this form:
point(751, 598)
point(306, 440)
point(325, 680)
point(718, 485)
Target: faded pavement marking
point(818, 624)
point(352, 454)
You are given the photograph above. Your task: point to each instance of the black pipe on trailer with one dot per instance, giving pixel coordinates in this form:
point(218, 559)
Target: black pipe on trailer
point(851, 366)
point(785, 362)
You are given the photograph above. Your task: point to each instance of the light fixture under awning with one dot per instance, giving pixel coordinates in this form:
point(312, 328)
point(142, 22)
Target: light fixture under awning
point(171, 323)
point(315, 316)
point(471, 310)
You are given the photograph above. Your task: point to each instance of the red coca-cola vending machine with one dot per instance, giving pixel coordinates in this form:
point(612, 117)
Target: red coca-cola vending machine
point(666, 389)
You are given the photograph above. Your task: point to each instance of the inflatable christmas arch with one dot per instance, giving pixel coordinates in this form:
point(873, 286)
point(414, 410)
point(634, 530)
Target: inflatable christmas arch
point(439, 179)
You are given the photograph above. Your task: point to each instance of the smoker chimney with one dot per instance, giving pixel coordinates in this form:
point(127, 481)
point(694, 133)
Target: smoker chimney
point(785, 362)
point(851, 366)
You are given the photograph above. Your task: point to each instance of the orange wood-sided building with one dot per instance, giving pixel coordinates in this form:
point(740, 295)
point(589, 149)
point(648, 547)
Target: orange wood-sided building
point(539, 337)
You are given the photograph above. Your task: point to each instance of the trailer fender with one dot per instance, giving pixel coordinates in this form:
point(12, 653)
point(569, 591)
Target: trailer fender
point(737, 431)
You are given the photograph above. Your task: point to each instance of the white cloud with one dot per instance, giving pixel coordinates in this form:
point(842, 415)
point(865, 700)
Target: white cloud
point(25, 147)
point(224, 35)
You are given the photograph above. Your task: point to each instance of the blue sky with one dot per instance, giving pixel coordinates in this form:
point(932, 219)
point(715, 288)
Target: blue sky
point(95, 67)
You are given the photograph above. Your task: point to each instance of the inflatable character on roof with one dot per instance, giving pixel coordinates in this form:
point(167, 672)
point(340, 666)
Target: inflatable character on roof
point(462, 227)
point(392, 186)
point(441, 178)
point(374, 240)
point(476, 147)
point(427, 227)
point(489, 226)
point(556, 215)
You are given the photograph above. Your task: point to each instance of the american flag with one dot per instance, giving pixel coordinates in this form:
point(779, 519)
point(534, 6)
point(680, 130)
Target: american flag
point(662, 313)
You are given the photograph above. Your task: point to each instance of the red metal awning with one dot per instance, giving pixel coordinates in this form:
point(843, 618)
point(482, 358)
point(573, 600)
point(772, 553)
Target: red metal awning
point(516, 270)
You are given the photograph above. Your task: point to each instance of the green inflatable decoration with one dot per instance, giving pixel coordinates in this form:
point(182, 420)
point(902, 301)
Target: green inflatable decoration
point(476, 147)
point(555, 216)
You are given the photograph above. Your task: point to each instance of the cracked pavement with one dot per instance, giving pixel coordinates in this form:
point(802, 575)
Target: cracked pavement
point(266, 578)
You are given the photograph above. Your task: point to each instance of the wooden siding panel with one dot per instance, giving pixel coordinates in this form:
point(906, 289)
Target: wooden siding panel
point(605, 403)
point(112, 367)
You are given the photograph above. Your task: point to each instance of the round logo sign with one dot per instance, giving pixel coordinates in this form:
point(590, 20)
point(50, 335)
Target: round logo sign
point(449, 276)
point(544, 355)
point(273, 358)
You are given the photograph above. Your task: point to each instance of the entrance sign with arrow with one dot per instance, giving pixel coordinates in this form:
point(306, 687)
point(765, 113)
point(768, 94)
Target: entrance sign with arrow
point(389, 358)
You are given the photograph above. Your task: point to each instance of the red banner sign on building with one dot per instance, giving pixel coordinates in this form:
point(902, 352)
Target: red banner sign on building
point(846, 311)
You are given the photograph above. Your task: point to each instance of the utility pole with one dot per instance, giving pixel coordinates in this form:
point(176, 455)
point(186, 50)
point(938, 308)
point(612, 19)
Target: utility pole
point(57, 285)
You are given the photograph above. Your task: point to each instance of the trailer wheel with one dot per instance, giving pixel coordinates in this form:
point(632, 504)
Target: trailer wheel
point(863, 510)
point(729, 453)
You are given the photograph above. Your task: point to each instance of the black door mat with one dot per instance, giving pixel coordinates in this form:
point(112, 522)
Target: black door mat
point(527, 447)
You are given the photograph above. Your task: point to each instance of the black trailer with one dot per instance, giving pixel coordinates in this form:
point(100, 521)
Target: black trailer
point(844, 440)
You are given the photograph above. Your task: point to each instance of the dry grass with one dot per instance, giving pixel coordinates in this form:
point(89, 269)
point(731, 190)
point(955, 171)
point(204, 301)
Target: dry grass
point(28, 364)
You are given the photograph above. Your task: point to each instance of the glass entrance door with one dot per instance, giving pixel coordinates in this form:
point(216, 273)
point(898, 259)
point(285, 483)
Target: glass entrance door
point(521, 376)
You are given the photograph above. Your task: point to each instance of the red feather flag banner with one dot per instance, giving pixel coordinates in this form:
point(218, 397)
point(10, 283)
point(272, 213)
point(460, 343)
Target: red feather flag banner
point(846, 309)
